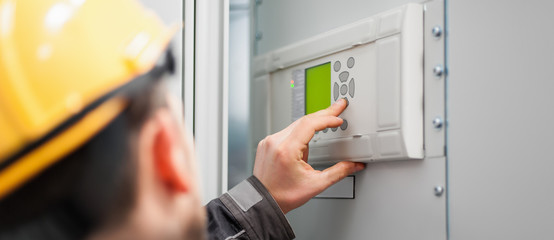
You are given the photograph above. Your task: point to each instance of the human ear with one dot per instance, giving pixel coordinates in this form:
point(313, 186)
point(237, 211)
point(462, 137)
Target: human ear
point(168, 154)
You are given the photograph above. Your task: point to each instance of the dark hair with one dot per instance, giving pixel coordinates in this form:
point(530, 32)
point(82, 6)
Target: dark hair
point(92, 185)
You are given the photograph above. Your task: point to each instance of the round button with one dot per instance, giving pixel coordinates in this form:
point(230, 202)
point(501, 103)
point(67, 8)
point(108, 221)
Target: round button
point(336, 66)
point(344, 124)
point(343, 89)
point(325, 130)
point(343, 76)
point(350, 62)
point(334, 129)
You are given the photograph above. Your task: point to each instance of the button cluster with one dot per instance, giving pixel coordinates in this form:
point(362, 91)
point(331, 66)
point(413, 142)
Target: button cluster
point(344, 88)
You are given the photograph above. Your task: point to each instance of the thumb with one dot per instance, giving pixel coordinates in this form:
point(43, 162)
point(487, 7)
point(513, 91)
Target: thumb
point(339, 171)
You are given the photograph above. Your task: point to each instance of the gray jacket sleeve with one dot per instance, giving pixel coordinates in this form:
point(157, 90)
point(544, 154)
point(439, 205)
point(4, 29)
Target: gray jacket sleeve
point(247, 211)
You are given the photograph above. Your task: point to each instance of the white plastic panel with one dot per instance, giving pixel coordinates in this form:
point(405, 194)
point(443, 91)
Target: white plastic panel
point(390, 143)
point(352, 148)
point(358, 33)
point(388, 83)
point(390, 23)
point(381, 76)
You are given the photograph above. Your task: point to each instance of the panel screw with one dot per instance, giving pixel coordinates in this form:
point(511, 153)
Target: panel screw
point(438, 71)
point(259, 36)
point(437, 122)
point(439, 190)
point(436, 31)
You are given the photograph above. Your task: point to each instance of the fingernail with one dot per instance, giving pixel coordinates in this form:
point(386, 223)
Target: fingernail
point(347, 102)
point(339, 102)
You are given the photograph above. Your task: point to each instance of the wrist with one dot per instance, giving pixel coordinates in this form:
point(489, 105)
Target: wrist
point(273, 194)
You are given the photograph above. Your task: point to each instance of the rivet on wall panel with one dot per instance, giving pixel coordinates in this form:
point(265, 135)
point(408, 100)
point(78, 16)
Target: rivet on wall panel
point(436, 31)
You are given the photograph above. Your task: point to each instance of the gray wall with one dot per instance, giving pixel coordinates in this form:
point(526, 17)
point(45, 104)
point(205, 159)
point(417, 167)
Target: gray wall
point(501, 115)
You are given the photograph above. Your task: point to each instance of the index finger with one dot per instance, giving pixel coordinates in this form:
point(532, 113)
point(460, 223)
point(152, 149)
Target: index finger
point(305, 129)
point(334, 110)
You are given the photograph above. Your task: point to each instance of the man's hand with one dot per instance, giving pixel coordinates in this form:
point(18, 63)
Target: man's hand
point(281, 160)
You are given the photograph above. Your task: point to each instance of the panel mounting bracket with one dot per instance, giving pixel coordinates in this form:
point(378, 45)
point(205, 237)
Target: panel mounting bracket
point(435, 72)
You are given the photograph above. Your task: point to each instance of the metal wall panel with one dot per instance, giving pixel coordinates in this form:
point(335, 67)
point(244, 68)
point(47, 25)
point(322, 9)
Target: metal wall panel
point(394, 200)
point(501, 110)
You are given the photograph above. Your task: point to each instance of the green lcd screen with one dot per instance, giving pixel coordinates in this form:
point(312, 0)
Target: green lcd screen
point(318, 87)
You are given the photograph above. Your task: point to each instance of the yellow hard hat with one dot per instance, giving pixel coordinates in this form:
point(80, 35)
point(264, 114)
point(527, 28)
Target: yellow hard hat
point(60, 63)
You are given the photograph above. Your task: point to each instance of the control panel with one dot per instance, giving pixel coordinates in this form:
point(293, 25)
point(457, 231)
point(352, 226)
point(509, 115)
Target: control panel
point(376, 64)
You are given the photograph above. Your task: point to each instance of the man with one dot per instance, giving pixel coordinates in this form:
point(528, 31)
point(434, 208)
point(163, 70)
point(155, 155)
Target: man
point(93, 146)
